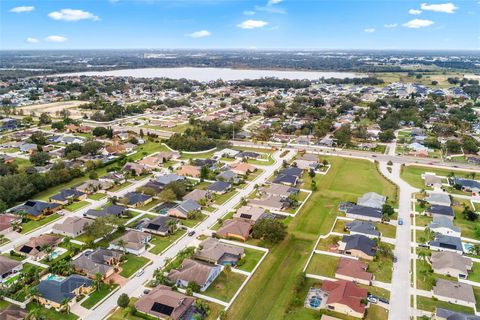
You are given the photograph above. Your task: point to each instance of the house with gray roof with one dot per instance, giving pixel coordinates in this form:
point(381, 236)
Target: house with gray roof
point(228, 176)
point(8, 268)
point(372, 200)
point(438, 210)
point(52, 292)
point(467, 184)
point(113, 210)
point(454, 292)
point(198, 272)
point(445, 314)
point(161, 225)
point(214, 251)
point(169, 178)
point(362, 227)
point(183, 209)
point(219, 187)
point(364, 213)
point(136, 199)
point(444, 225)
point(71, 227)
point(446, 243)
point(359, 246)
point(451, 264)
point(441, 199)
point(103, 261)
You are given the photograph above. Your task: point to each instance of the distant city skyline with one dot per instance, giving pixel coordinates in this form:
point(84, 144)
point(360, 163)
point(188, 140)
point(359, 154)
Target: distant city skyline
point(231, 24)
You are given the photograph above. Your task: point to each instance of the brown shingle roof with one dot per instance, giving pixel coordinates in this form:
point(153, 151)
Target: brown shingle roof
point(235, 227)
point(163, 299)
point(346, 293)
point(353, 268)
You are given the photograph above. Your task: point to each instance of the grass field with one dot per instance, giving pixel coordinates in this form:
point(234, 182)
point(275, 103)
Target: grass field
point(98, 295)
point(466, 226)
point(413, 175)
point(475, 274)
point(429, 304)
point(221, 199)
point(224, 287)
point(323, 265)
point(50, 313)
point(382, 269)
point(77, 206)
point(97, 196)
point(270, 291)
point(252, 257)
point(193, 222)
point(161, 243)
point(34, 224)
point(132, 265)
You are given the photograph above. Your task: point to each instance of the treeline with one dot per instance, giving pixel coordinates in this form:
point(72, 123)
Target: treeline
point(204, 136)
point(190, 142)
point(275, 83)
point(22, 186)
point(357, 81)
point(110, 111)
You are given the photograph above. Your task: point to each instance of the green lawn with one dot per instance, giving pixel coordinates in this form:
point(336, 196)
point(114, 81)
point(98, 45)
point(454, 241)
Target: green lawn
point(382, 269)
point(224, 287)
point(51, 313)
point(387, 230)
point(222, 198)
point(466, 226)
point(161, 243)
point(98, 295)
point(323, 265)
point(413, 174)
point(77, 205)
point(34, 224)
point(85, 238)
point(429, 304)
point(205, 155)
point(268, 294)
point(475, 274)
point(120, 186)
point(132, 265)
point(97, 196)
point(193, 222)
point(422, 220)
point(252, 257)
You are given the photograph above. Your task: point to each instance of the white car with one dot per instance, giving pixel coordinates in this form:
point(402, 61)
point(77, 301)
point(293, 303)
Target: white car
point(140, 272)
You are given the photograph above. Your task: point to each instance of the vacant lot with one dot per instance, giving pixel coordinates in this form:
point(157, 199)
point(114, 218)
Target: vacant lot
point(55, 107)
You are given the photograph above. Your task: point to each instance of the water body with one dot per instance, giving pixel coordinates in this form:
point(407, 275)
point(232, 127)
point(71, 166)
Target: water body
point(211, 74)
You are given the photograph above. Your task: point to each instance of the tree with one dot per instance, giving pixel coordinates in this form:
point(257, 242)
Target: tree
point(204, 172)
point(167, 195)
point(343, 135)
point(65, 305)
point(91, 147)
point(270, 229)
point(453, 146)
point(40, 158)
point(469, 214)
point(98, 280)
point(386, 136)
point(387, 210)
point(45, 118)
point(123, 300)
point(74, 154)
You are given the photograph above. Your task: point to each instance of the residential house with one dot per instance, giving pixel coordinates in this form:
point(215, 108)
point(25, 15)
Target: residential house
point(353, 270)
point(446, 243)
point(6, 221)
point(71, 227)
point(467, 185)
point(93, 186)
point(372, 200)
point(183, 209)
point(113, 210)
point(203, 274)
point(364, 213)
point(228, 176)
point(454, 292)
point(358, 245)
point(308, 161)
point(280, 190)
point(35, 247)
point(8, 268)
point(135, 199)
point(271, 203)
point(67, 196)
point(28, 148)
point(189, 171)
point(227, 153)
point(12, 312)
point(214, 251)
point(102, 261)
point(247, 155)
point(164, 303)
point(440, 211)
point(52, 292)
point(235, 228)
point(160, 225)
point(432, 180)
point(35, 209)
point(113, 177)
point(242, 168)
point(444, 225)
point(345, 297)
point(289, 176)
point(451, 264)
point(219, 187)
point(440, 199)
point(133, 242)
point(169, 178)
point(136, 168)
point(362, 227)
point(445, 314)
point(249, 213)
point(197, 195)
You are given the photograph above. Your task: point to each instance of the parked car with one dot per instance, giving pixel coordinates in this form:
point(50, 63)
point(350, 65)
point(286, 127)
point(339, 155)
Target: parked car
point(383, 300)
point(191, 233)
point(140, 272)
point(395, 259)
point(400, 221)
point(372, 299)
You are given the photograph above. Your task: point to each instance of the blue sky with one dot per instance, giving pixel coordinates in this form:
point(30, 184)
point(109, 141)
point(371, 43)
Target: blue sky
point(265, 24)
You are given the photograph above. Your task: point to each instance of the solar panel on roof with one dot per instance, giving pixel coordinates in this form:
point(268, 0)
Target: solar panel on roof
point(245, 216)
point(161, 308)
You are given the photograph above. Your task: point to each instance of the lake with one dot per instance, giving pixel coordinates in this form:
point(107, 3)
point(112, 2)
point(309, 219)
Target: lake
point(211, 74)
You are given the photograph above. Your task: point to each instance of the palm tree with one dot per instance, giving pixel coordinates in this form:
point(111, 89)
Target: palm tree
point(34, 313)
point(172, 225)
point(227, 270)
point(98, 280)
point(122, 243)
point(65, 305)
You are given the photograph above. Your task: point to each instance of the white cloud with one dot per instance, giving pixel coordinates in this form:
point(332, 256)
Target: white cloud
point(32, 40)
point(249, 12)
point(418, 23)
point(252, 24)
point(441, 7)
point(391, 25)
point(200, 34)
point(56, 38)
point(72, 15)
point(414, 11)
point(270, 2)
point(369, 30)
point(22, 9)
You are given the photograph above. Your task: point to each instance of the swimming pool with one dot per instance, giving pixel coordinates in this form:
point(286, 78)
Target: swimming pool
point(54, 277)
point(467, 247)
point(315, 302)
